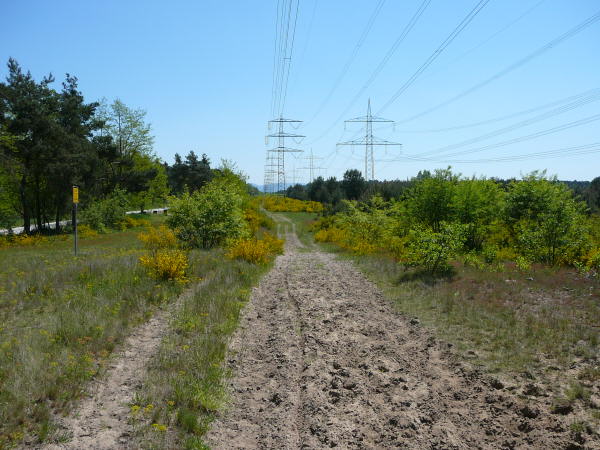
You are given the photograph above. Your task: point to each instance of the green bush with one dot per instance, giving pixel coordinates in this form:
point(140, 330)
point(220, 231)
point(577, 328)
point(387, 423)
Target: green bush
point(107, 212)
point(431, 250)
point(212, 215)
point(548, 222)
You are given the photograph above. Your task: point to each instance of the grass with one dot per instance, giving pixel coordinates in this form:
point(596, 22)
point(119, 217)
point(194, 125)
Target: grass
point(186, 382)
point(513, 320)
point(302, 220)
point(61, 317)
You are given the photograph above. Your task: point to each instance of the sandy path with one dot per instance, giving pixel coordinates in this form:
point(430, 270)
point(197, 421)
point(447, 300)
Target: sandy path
point(322, 360)
point(100, 421)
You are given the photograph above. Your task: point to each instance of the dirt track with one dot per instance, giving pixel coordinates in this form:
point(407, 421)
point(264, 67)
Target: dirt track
point(322, 360)
point(101, 420)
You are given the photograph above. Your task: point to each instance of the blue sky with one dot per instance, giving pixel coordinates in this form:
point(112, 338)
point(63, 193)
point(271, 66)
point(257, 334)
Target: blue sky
point(203, 72)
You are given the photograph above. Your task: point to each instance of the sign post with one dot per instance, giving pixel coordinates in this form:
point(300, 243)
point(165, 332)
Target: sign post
point(75, 203)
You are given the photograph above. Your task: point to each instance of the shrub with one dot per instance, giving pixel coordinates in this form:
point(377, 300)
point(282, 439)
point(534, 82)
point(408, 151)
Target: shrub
point(166, 264)
point(164, 260)
point(432, 250)
point(522, 263)
point(85, 231)
point(158, 238)
point(547, 220)
point(286, 204)
point(107, 212)
point(275, 245)
point(132, 222)
point(26, 240)
point(334, 234)
point(209, 216)
point(256, 251)
point(431, 200)
point(471, 259)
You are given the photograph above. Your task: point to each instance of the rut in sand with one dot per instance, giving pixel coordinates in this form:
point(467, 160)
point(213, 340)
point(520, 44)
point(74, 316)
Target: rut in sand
point(100, 420)
point(322, 360)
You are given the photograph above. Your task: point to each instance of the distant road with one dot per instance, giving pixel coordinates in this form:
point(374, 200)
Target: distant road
point(52, 225)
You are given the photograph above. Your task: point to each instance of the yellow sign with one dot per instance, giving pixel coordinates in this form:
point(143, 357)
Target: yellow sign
point(75, 194)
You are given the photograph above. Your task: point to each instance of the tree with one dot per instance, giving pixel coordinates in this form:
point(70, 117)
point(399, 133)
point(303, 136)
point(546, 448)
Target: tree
point(593, 195)
point(213, 214)
point(191, 173)
point(353, 184)
point(546, 218)
point(74, 159)
point(430, 201)
point(27, 113)
point(477, 204)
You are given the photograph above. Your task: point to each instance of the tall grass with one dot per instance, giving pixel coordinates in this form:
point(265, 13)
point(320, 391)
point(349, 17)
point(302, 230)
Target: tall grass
point(61, 318)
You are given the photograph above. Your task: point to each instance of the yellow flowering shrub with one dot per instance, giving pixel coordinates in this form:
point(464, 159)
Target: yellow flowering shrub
point(132, 222)
point(279, 204)
point(23, 240)
point(252, 217)
point(166, 264)
point(592, 259)
point(275, 245)
point(85, 231)
point(333, 234)
point(164, 260)
point(256, 251)
point(158, 238)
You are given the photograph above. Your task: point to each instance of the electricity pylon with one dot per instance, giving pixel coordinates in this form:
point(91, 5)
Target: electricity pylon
point(281, 149)
point(270, 171)
point(311, 165)
point(369, 141)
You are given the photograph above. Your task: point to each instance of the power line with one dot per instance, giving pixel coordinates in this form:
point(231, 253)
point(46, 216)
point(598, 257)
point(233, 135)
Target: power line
point(555, 153)
point(593, 97)
point(501, 118)
point(289, 60)
point(516, 140)
point(279, 26)
point(485, 41)
point(351, 59)
point(569, 34)
point(409, 26)
point(461, 26)
point(306, 42)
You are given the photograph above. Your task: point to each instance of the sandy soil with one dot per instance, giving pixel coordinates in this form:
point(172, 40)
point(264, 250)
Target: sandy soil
point(322, 360)
point(100, 421)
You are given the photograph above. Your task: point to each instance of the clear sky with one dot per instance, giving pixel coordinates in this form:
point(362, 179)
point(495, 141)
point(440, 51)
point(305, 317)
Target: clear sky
point(203, 70)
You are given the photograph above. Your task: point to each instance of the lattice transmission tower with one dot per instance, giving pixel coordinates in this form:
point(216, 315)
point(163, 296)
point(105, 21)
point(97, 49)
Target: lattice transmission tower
point(311, 165)
point(278, 152)
point(369, 141)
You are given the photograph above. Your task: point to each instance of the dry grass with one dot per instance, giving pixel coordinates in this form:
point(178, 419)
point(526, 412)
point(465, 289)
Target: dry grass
point(62, 316)
point(514, 320)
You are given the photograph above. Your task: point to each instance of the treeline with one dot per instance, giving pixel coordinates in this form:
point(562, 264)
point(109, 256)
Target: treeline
point(53, 138)
point(353, 186)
